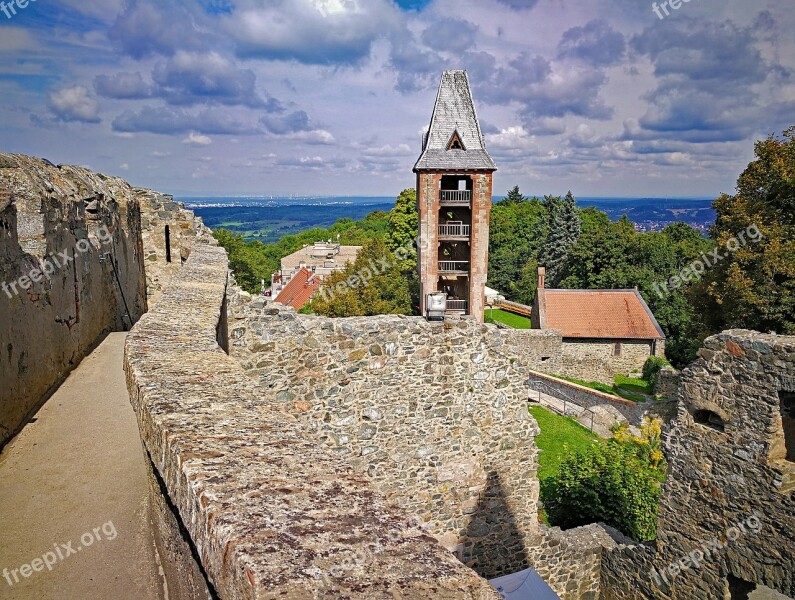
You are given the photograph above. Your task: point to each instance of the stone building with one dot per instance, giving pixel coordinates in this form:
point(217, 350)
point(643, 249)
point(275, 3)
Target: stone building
point(321, 259)
point(613, 329)
point(454, 187)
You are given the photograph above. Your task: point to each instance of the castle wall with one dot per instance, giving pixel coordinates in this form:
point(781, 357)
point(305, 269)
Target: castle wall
point(60, 226)
point(727, 511)
point(593, 360)
point(434, 413)
point(267, 510)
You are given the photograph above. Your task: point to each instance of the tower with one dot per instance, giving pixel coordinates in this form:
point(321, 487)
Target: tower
point(454, 187)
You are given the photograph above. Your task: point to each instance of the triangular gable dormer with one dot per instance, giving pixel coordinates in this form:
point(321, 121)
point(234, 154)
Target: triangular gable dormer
point(455, 142)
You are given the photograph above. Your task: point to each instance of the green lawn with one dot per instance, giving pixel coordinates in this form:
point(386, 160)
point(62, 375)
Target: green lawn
point(629, 388)
point(508, 318)
point(560, 437)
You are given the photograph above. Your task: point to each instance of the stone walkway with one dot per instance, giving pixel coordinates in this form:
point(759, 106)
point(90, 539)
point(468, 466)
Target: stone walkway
point(74, 514)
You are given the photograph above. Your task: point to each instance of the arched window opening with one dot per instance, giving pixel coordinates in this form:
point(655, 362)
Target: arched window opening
point(709, 419)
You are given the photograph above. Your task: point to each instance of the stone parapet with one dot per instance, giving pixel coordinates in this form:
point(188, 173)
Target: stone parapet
point(269, 511)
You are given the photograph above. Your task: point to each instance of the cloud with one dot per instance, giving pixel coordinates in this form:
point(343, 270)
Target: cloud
point(74, 104)
point(595, 43)
point(122, 86)
point(450, 35)
point(194, 77)
point(297, 126)
point(147, 28)
point(519, 4)
point(708, 81)
point(196, 139)
point(320, 32)
point(168, 121)
point(544, 89)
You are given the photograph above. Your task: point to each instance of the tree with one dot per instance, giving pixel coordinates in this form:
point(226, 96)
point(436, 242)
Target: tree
point(753, 287)
point(617, 482)
point(403, 229)
point(514, 196)
point(374, 284)
point(564, 231)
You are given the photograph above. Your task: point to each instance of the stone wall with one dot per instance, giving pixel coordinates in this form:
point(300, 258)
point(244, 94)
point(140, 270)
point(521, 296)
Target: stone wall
point(593, 360)
point(434, 413)
point(66, 228)
point(164, 253)
point(727, 513)
point(268, 511)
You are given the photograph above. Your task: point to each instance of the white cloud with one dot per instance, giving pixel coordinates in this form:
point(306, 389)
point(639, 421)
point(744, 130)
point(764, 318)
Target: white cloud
point(75, 104)
point(197, 139)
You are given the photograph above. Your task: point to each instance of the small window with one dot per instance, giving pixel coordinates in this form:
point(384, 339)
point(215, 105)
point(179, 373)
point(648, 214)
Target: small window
point(709, 419)
point(455, 142)
point(788, 421)
point(617, 349)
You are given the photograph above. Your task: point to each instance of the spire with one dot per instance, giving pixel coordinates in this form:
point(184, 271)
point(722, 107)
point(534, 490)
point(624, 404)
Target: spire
point(454, 115)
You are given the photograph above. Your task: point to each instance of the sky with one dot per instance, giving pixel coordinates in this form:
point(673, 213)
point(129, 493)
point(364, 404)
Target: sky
point(331, 97)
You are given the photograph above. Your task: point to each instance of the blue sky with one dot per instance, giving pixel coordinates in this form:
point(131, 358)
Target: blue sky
point(229, 97)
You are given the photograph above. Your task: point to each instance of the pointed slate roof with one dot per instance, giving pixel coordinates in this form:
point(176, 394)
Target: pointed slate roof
point(454, 111)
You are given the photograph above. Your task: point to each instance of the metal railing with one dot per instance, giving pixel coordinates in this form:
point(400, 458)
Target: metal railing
point(453, 266)
point(570, 408)
point(456, 304)
point(454, 230)
point(455, 196)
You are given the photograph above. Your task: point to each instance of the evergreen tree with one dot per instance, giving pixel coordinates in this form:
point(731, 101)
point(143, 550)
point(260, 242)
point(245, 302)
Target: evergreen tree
point(564, 231)
point(514, 196)
point(404, 227)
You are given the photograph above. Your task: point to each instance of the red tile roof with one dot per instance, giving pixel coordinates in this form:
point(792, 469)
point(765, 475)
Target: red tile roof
point(300, 289)
point(614, 314)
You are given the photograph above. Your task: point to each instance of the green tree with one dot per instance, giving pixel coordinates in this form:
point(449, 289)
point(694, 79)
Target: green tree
point(374, 284)
point(403, 229)
point(617, 482)
point(564, 231)
point(753, 287)
point(514, 196)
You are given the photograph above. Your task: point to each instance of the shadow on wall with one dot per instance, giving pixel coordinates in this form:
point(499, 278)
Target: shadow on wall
point(493, 542)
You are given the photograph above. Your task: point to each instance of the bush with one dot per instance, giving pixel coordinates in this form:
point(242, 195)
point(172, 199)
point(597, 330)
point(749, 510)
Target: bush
point(653, 366)
point(618, 483)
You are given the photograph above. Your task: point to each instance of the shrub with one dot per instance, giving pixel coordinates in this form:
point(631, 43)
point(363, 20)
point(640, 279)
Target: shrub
point(618, 483)
point(652, 366)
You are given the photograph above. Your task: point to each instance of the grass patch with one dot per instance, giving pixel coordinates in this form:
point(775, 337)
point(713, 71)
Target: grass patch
point(625, 387)
point(508, 318)
point(560, 437)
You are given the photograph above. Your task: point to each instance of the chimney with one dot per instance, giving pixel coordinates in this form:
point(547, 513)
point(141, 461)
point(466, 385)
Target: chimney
point(542, 277)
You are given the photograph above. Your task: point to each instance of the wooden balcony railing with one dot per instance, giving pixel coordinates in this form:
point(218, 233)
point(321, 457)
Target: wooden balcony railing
point(456, 304)
point(453, 266)
point(454, 230)
point(455, 196)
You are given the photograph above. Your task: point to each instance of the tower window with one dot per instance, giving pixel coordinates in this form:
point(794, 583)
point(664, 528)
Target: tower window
point(709, 419)
point(168, 244)
point(455, 142)
point(788, 421)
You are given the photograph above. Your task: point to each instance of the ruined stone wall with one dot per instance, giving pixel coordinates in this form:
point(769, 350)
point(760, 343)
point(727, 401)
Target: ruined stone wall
point(268, 510)
point(594, 360)
point(434, 413)
point(62, 231)
point(168, 232)
point(727, 512)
